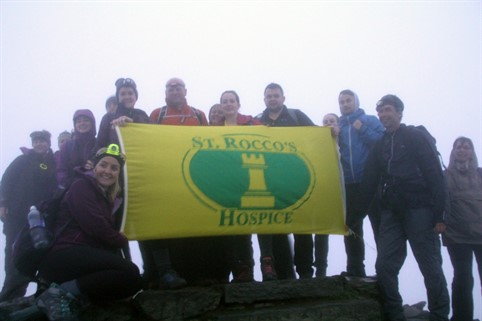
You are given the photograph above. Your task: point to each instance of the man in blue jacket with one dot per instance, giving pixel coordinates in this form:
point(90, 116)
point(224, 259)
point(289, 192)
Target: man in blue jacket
point(358, 133)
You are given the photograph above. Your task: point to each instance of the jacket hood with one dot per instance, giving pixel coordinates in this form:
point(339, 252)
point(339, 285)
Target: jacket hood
point(353, 116)
point(30, 151)
point(87, 113)
point(26, 150)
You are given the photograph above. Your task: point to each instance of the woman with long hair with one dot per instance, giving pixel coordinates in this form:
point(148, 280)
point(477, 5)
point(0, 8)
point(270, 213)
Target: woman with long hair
point(84, 264)
point(463, 218)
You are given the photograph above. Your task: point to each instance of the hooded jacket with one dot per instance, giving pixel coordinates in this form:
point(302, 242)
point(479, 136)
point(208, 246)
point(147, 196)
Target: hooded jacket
point(463, 216)
point(88, 216)
point(356, 144)
point(77, 151)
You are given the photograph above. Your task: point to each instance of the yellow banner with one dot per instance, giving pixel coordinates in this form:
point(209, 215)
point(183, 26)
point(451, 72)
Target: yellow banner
point(196, 181)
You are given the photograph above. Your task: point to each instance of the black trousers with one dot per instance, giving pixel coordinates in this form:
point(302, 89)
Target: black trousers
point(461, 256)
point(354, 244)
point(100, 275)
point(15, 284)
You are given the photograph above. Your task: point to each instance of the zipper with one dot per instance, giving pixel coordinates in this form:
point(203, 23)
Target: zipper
point(350, 149)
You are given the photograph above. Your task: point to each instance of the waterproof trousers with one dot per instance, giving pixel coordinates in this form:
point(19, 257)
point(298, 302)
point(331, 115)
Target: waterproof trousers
point(417, 227)
point(461, 256)
point(15, 284)
point(100, 275)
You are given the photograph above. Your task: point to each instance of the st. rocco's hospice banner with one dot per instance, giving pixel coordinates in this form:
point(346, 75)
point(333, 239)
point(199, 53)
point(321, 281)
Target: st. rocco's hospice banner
point(186, 181)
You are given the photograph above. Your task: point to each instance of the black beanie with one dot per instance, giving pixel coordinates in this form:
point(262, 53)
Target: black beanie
point(41, 134)
point(391, 100)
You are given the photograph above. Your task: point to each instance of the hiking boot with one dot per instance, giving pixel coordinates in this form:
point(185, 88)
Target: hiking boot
point(304, 271)
point(243, 273)
point(58, 304)
point(267, 269)
point(171, 281)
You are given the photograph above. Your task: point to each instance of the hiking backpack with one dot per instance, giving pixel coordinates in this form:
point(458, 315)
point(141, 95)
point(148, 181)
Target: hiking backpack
point(26, 258)
point(291, 112)
point(163, 113)
point(431, 140)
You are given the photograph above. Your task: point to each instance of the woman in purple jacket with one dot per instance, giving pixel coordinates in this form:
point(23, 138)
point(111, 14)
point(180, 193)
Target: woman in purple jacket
point(83, 261)
point(79, 150)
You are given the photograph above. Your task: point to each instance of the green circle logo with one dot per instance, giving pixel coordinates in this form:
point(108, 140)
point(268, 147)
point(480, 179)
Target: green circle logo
point(248, 179)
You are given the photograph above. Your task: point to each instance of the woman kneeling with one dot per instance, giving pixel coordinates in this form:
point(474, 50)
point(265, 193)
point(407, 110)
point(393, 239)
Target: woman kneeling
point(84, 262)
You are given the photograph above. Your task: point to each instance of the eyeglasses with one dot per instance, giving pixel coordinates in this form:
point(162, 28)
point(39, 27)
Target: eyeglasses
point(125, 82)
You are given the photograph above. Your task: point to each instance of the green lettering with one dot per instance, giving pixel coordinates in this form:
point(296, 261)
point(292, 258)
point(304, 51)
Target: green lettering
point(278, 146)
point(252, 218)
point(229, 217)
point(277, 220)
point(288, 217)
point(262, 217)
point(242, 216)
point(265, 145)
point(292, 147)
point(230, 143)
point(257, 145)
point(244, 144)
point(210, 142)
point(197, 142)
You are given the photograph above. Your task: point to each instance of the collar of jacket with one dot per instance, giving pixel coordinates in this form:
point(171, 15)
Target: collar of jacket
point(345, 119)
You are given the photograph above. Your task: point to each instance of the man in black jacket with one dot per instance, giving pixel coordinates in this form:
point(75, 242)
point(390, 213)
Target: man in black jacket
point(276, 247)
point(405, 168)
point(27, 181)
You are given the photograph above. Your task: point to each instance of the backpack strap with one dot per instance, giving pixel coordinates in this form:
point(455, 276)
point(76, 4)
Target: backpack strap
point(430, 139)
point(292, 113)
point(197, 112)
point(162, 113)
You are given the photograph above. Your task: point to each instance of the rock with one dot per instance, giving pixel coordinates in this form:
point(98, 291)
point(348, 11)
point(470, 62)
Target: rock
point(415, 311)
point(287, 290)
point(177, 304)
point(332, 298)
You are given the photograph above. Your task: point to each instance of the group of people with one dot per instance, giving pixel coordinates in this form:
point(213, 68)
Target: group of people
point(391, 172)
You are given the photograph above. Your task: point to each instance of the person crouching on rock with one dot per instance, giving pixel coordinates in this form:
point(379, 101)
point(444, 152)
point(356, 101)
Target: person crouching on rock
point(84, 263)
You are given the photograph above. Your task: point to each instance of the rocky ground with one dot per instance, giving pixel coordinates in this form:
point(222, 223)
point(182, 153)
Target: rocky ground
point(332, 298)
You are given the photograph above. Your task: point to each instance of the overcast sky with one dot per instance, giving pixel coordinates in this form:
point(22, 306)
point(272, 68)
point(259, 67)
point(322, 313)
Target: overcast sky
point(59, 56)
